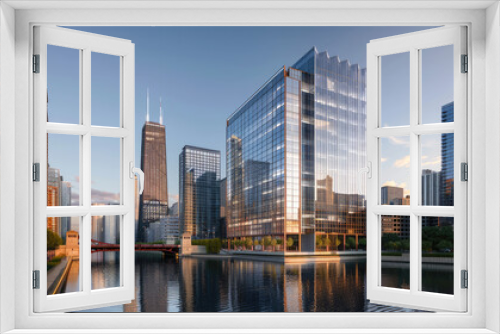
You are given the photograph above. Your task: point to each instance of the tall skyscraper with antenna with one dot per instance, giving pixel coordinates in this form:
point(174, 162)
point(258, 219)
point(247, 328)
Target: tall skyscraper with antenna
point(154, 199)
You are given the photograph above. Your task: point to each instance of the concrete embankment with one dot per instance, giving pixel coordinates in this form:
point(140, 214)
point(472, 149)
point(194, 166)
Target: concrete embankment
point(425, 259)
point(280, 257)
point(56, 276)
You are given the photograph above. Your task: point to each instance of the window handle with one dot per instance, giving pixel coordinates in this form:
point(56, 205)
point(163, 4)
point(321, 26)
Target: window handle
point(368, 171)
point(138, 171)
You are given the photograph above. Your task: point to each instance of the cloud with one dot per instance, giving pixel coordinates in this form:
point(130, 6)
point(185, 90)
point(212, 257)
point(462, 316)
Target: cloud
point(172, 198)
point(393, 183)
point(99, 196)
point(400, 140)
point(403, 162)
point(383, 159)
point(436, 161)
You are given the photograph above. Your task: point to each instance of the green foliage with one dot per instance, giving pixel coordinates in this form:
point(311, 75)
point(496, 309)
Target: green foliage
point(319, 241)
point(274, 242)
point(177, 242)
point(362, 243)
point(53, 240)
point(267, 241)
point(213, 246)
point(54, 262)
point(327, 241)
point(289, 242)
point(279, 241)
point(249, 242)
point(336, 242)
point(256, 242)
point(439, 237)
point(350, 243)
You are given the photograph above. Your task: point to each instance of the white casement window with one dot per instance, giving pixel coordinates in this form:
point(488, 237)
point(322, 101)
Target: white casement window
point(405, 126)
point(25, 131)
point(81, 135)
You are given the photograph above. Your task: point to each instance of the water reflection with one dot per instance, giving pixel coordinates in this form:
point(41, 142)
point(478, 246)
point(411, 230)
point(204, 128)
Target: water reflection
point(230, 285)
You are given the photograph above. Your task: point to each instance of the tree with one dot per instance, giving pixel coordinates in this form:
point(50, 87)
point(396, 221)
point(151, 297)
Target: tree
point(362, 243)
point(405, 244)
point(337, 242)
point(267, 241)
point(289, 242)
point(256, 242)
point(351, 242)
point(426, 246)
point(249, 243)
point(319, 241)
point(274, 242)
point(327, 242)
point(444, 245)
point(53, 240)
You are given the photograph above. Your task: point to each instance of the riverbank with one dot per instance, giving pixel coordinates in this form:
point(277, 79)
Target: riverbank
point(290, 257)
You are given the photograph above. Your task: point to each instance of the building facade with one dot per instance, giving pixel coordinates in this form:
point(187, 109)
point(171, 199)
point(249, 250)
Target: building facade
point(154, 199)
point(199, 192)
point(294, 149)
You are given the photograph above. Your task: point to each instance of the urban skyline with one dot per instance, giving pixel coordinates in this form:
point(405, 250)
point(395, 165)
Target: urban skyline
point(237, 76)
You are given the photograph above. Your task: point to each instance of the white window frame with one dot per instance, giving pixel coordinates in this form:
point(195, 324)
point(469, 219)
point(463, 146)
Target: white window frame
point(413, 44)
point(482, 19)
point(85, 44)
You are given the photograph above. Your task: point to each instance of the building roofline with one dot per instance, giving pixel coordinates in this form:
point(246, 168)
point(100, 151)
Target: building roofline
point(256, 92)
point(199, 148)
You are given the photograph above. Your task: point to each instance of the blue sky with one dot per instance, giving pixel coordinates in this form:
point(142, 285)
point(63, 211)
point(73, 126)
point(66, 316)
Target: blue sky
point(203, 74)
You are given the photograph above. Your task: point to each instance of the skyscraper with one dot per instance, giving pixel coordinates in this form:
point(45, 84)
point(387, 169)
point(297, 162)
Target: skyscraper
point(447, 157)
point(154, 199)
point(199, 192)
point(294, 149)
point(54, 197)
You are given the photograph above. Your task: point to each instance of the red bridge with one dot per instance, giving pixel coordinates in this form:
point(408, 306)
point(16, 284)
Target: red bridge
point(99, 246)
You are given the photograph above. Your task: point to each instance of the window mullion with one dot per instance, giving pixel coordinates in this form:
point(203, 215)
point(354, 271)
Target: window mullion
point(85, 238)
point(414, 169)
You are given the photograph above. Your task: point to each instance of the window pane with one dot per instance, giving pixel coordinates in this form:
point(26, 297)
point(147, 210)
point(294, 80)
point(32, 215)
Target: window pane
point(437, 254)
point(63, 85)
point(437, 168)
point(105, 90)
point(437, 84)
point(106, 171)
point(105, 252)
point(63, 170)
point(63, 250)
point(395, 171)
point(395, 89)
point(395, 246)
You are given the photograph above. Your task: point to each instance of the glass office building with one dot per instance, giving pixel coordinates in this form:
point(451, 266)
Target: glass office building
point(199, 192)
point(294, 149)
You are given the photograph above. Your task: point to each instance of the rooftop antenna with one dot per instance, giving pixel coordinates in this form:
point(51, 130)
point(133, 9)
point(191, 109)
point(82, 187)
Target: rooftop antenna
point(147, 106)
point(161, 114)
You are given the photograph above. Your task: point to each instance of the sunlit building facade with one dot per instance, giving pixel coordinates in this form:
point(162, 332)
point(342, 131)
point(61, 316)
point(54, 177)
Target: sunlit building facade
point(199, 192)
point(294, 149)
point(154, 199)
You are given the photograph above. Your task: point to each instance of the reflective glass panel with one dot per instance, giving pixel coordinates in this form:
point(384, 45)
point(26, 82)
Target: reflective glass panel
point(105, 252)
point(437, 254)
point(63, 251)
point(395, 246)
point(106, 169)
point(105, 90)
point(395, 89)
point(437, 169)
point(437, 84)
point(395, 171)
point(63, 170)
point(63, 85)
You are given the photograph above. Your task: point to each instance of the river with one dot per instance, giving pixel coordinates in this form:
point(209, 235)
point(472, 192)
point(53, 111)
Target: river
point(167, 284)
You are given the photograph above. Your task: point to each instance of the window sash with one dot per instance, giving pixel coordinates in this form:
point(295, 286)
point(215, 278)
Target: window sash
point(413, 43)
point(86, 43)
